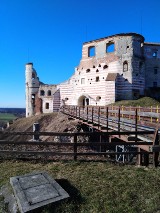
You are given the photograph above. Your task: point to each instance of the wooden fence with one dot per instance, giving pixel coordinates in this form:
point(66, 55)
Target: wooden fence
point(76, 148)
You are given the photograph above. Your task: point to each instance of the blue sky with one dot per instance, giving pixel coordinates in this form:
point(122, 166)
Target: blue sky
point(50, 33)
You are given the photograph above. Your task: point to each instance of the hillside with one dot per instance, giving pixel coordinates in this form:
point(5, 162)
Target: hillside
point(52, 122)
point(143, 102)
point(58, 122)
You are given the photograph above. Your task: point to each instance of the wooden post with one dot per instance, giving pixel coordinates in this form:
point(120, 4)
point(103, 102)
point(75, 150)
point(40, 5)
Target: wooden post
point(107, 117)
point(92, 114)
point(119, 119)
point(75, 147)
point(76, 112)
point(98, 117)
point(157, 112)
point(87, 113)
point(146, 159)
point(156, 154)
point(136, 118)
point(139, 157)
point(79, 111)
point(151, 111)
point(36, 130)
point(100, 140)
point(130, 113)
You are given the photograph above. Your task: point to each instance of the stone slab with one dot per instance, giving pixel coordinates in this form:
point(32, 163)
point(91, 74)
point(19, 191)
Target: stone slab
point(36, 190)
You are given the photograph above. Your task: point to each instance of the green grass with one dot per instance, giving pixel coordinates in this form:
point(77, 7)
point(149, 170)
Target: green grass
point(95, 187)
point(7, 117)
point(143, 102)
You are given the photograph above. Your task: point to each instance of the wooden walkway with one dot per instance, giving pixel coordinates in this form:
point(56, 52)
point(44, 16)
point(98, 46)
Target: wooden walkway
point(116, 118)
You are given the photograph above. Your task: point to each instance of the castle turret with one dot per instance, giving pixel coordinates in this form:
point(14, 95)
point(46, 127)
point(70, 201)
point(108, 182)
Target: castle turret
point(32, 87)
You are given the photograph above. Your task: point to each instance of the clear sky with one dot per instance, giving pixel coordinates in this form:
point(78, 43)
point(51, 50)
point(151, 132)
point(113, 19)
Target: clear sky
point(50, 33)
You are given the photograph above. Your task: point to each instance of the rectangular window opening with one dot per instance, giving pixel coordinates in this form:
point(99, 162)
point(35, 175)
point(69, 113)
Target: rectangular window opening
point(82, 80)
point(97, 78)
point(47, 105)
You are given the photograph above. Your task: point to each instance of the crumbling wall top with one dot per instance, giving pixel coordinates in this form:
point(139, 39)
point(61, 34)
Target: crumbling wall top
point(116, 35)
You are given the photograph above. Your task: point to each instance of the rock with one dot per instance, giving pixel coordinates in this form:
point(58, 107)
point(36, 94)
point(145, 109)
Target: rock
point(8, 200)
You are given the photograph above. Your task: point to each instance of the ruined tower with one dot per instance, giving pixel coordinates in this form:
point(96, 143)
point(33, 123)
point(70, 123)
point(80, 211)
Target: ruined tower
point(32, 87)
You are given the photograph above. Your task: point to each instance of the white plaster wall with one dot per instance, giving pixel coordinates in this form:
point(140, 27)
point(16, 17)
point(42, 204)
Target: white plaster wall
point(50, 101)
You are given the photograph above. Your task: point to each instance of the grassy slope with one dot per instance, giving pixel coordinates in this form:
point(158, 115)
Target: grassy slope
point(96, 187)
point(143, 102)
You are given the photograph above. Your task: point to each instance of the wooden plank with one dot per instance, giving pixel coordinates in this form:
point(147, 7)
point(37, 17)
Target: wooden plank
point(79, 133)
point(35, 153)
point(33, 143)
point(145, 148)
point(67, 153)
point(72, 144)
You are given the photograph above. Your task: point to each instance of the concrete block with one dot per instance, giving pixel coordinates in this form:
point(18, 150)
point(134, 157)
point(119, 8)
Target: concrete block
point(36, 190)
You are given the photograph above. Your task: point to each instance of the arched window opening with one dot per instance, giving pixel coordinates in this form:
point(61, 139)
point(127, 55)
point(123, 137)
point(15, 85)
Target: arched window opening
point(91, 51)
point(97, 70)
point(125, 66)
point(88, 70)
point(33, 99)
point(99, 65)
point(105, 67)
point(97, 78)
point(155, 54)
point(42, 93)
point(47, 105)
point(33, 75)
point(110, 47)
point(49, 93)
point(98, 98)
point(93, 66)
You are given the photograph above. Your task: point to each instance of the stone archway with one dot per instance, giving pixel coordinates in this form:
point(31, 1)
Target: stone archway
point(83, 101)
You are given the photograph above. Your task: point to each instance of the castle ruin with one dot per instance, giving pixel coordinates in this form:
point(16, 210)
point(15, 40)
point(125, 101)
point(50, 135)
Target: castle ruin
point(118, 67)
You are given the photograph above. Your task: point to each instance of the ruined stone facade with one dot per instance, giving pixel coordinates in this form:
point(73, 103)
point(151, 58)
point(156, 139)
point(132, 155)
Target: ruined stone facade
point(113, 68)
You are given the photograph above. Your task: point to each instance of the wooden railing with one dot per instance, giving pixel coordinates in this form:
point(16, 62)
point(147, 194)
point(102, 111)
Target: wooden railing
point(117, 118)
point(76, 149)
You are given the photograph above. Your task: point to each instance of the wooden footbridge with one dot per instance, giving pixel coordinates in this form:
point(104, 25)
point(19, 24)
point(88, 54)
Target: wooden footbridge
point(126, 134)
point(136, 126)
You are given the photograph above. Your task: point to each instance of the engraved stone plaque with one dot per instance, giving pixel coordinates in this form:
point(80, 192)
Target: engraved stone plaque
point(35, 190)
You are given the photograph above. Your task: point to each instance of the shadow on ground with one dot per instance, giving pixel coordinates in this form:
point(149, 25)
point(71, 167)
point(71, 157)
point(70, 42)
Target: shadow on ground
point(71, 204)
